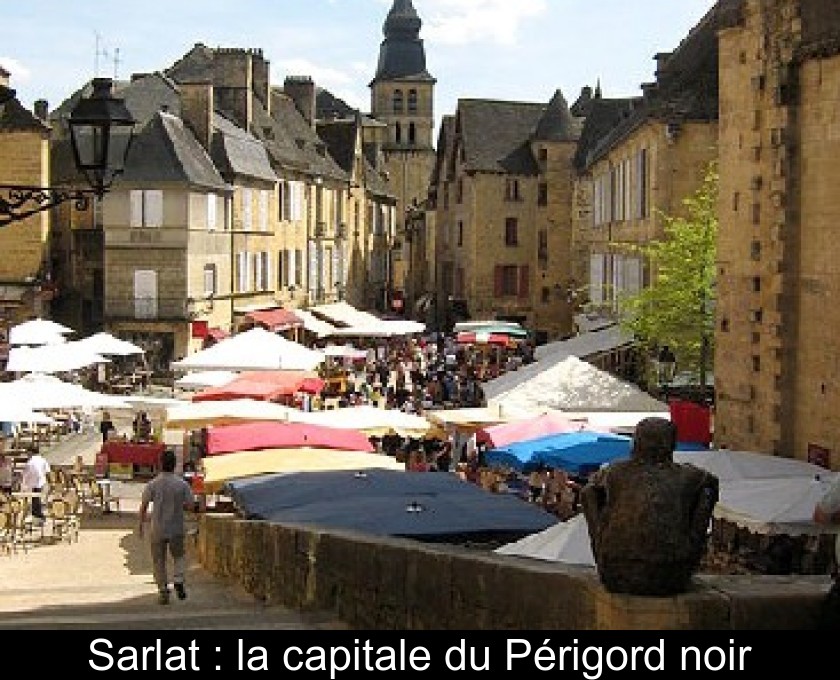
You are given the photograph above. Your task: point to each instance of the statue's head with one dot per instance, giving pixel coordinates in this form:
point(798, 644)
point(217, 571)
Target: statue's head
point(654, 441)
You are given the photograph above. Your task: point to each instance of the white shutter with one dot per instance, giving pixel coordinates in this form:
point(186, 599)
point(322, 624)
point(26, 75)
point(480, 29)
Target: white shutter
point(211, 212)
point(258, 270)
point(153, 208)
point(268, 273)
point(290, 268)
point(247, 217)
point(313, 266)
point(298, 200)
point(136, 199)
point(596, 278)
point(263, 226)
point(145, 294)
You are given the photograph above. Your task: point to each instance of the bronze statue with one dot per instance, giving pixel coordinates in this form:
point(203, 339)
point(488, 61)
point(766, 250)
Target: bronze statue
point(648, 517)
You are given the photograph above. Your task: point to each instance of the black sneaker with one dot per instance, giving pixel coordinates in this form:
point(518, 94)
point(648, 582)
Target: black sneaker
point(181, 592)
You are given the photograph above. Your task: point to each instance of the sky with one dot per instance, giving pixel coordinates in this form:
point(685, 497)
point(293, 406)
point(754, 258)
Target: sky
point(521, 50)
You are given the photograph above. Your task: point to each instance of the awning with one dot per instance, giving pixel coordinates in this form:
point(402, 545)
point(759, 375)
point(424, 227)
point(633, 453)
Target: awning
point(217, 333)
point(315, 325)
point(264, 385)
point(275, 319)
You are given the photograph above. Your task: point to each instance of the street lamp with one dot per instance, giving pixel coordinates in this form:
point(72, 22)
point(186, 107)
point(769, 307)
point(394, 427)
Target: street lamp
point(101, 130)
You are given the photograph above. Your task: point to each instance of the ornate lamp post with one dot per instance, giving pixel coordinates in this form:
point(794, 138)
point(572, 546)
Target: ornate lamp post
point(101, 130)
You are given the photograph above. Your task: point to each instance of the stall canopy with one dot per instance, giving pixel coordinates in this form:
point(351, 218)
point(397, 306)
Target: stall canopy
point(275, 320)
point(38, 391)
point(198, 380)
point(575, 385)
point(494, 326)
point(577, 453)
point(567, 542)
point(343, 314)
point(434, 506)
point(254, 350)
point(373, 421)
point(220, 470)
point(263, 385)
point(315, 325)
point(382, 328)
point(279, 435)
point(193, 415)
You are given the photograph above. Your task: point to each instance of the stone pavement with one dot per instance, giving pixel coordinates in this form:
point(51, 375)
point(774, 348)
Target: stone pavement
point(104, 581)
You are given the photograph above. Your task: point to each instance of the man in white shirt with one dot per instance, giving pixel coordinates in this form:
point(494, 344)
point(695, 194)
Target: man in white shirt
point(34, 479)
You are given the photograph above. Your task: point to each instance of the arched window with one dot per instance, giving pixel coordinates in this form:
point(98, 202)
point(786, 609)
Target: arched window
point(412, 101)
point(398, 101)
point(412, 134)
point(398, 132)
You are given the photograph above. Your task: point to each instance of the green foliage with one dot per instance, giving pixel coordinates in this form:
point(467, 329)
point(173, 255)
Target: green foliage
point(678, 308)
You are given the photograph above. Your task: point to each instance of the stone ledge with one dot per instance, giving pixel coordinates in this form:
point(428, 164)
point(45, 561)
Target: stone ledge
point(399, 584)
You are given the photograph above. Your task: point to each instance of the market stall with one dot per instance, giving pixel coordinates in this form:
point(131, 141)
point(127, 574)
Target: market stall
point(126, 460)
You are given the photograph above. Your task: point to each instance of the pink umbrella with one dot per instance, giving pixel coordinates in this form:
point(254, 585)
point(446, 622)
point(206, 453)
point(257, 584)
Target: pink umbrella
point(532, 428)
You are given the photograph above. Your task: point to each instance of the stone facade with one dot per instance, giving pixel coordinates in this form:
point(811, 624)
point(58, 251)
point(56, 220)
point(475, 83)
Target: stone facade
point(24, 160)
point(776, 349)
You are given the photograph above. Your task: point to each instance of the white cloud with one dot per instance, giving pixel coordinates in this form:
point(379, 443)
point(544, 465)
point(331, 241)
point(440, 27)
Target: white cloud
point(459, 22)
point(323, 76)
point(19, 73)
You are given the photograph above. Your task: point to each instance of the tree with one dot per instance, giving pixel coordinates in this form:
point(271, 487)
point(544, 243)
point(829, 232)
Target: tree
point(677, 309)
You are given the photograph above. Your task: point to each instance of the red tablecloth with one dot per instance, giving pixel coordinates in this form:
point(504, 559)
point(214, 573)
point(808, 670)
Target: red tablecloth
point(134, 454)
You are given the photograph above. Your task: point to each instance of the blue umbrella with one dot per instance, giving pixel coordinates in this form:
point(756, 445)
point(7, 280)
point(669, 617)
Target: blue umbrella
point(578, 453)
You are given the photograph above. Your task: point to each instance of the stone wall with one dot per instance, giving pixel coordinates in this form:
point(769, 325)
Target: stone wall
point(394, 584)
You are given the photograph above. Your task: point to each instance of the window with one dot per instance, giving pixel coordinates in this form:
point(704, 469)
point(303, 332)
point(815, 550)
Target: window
point(542, 194)
point(545, 295)
point(263, 208)
point(298, 267)
point(543, 157)
point(282, 268)
point(460, 233)
point(398, 133)
point(512, 190)
point(755, 250)
point(756, 284)
point(210, 280)
point(398, 101)
point(511, 281)
point(146, 208)
point(290, 201)
point(511, 232)
point(412, 134)
point(542, 247)
point(459, 190)
point(756, 364)
point(412, 101)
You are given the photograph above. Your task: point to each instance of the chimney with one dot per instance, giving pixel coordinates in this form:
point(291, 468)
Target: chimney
point(41, 109)
point(301, 90)
point(4, 77)
point(197, 110)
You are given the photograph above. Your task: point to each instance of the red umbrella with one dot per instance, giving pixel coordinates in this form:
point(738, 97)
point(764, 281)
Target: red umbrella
point(269, 435)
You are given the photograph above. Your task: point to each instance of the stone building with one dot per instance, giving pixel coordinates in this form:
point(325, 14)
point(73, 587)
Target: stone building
point(402, 97)
point(501, 195)
point(776, 341)
point(25, 244)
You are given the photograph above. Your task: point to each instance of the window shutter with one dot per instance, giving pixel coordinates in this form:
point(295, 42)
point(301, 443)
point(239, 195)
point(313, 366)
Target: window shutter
point(524, 281)
point(211, 212)
point(136, 198)
point(246, 210)
point(499, 281)
point(263, 211)
point(154, 208)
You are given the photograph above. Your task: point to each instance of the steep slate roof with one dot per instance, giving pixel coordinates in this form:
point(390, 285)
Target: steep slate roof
point(401, 55)
point(496, 135)
point(313, 151)
point(237, 152)
point(196, 66)
point(687, 85)
point(557, 123)
point(340, 137)
point(604, 115)
point(14, 117)
point(328, 106)
point(166, 151)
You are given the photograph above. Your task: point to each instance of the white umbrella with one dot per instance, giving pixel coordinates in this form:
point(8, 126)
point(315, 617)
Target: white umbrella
point(253, 350)
point(371, 420)
point(345, 351)
point(51, 359)
point(205, 413)
point(37, 391)
point(566, 542)
point(37, 332)
point(107, 344)
point(12, 412)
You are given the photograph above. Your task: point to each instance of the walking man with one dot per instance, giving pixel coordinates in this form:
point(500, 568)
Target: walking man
point(34, 479)
point(169, 495)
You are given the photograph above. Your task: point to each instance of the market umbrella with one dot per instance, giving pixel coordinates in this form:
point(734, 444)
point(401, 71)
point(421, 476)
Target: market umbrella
point(530, 428)
point(108, 345)
point(266, 435)
point(373, 421)
point(52, 359)
point(40, 392)
point(577, 453)
point(729, 465)
point(219, 470)
point(38, 332)
point(192, 415)
point(433, 505)
point(202, 379)
point(566, 542)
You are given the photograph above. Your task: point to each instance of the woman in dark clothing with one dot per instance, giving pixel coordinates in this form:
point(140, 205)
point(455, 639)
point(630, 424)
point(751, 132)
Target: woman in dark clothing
point(106, 426)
